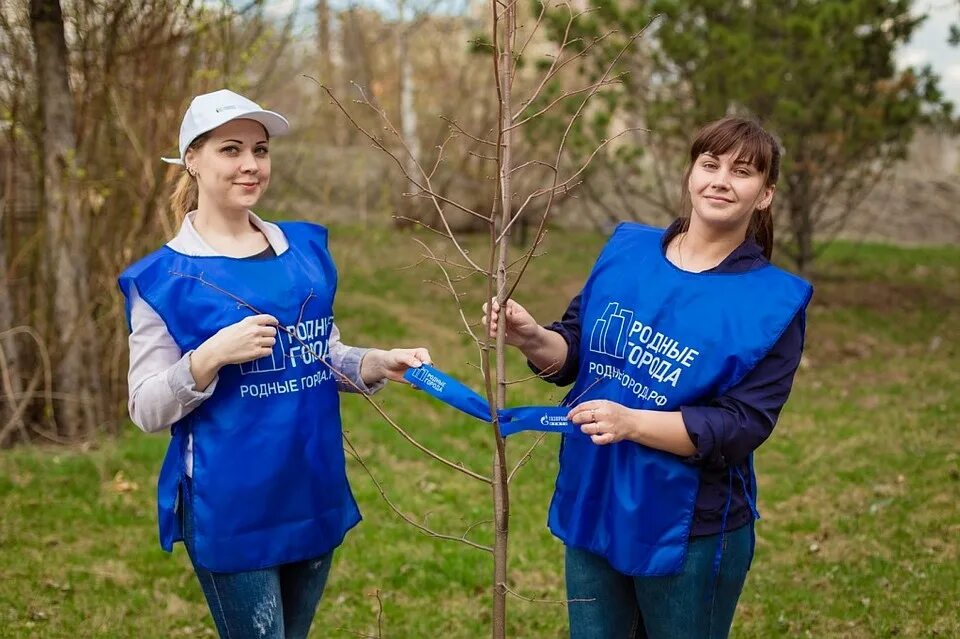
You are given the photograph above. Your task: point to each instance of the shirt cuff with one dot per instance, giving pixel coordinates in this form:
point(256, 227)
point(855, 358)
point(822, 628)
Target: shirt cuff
point(350, 368)
point(184, 387)
point(566, 372)
point(697, 423)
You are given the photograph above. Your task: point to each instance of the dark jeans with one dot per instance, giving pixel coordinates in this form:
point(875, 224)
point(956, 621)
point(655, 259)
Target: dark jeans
point(274, 603)
point(690, 605)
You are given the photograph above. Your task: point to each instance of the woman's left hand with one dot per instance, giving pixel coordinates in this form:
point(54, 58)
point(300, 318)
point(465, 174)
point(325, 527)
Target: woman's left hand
point(394, 363)
point(606, 422)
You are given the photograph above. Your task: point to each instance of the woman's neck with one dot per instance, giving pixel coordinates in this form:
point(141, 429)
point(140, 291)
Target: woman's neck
point(230, 233)
point(699, 249)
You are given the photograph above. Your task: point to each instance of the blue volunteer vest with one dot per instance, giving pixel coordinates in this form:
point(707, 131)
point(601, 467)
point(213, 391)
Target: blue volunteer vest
point(656, 337)
point(269, 476)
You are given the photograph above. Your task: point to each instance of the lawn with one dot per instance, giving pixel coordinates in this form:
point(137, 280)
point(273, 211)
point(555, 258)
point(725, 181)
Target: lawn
point(859, 485)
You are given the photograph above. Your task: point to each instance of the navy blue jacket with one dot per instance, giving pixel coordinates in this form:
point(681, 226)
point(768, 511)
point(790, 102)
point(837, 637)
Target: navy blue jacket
point(724, 429)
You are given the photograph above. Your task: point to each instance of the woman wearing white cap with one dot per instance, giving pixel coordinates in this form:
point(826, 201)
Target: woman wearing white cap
point(233, 347)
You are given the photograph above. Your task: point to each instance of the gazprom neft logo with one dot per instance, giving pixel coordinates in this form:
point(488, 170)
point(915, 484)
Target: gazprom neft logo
point(609, 335)
point(427, 379)
point(554, 421)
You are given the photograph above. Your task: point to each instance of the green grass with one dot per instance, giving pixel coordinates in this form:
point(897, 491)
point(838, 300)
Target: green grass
point(859, 484)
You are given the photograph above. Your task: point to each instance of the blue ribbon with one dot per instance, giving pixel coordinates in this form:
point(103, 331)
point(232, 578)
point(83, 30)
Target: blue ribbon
point(447, 389)
point(549, 419)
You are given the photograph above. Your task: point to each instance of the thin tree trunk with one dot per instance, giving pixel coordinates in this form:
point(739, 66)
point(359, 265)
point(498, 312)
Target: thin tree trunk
point(501, 495)
point(73, 340)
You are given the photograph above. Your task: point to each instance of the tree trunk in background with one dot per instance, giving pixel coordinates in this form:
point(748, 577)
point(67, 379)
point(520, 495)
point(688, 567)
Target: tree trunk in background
point(10, 384)
point(72, 336)
point(804, 241)
point(324, 48)
point(801, 227)
point(327, 70)
point(408, 206)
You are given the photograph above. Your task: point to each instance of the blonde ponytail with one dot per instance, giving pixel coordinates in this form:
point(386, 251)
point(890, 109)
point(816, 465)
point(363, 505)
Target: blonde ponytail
point(185, 194)
point(184, 197)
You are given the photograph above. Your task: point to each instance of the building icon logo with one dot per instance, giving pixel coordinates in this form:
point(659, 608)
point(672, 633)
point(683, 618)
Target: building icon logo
point(275, 361)
point(420, 374)
point(427, 379)
point(609, 334)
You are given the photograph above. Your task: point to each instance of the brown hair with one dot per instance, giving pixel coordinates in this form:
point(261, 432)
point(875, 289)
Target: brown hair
point(184, 196)
point(754, 145)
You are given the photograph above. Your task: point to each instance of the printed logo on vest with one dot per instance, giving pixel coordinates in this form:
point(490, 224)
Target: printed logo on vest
point(609, 334)
point(647, 354)
point(308, 340)
point(275, 361)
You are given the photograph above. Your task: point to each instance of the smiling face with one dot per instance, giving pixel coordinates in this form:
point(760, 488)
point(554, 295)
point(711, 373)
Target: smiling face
point(725, 189)
point(232, 166)
point(729, 184)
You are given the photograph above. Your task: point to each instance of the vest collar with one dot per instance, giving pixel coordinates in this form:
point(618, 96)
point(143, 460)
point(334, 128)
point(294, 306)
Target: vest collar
point(189, 242)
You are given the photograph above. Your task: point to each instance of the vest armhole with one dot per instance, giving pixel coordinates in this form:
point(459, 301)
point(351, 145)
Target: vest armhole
point(145, 296)
point(800, 308)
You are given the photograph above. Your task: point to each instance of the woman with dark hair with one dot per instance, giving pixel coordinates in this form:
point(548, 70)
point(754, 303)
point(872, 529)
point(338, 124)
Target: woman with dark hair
point(682, 348)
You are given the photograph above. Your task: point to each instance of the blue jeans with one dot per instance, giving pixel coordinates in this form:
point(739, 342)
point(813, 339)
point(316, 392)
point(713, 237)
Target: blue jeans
point(690, 605)
point(273, 603)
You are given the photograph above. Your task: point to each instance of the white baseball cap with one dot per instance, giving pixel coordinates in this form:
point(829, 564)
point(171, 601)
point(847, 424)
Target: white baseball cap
point(210, 110)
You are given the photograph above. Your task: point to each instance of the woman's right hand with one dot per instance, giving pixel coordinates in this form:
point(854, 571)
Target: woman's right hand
point(249, 339)
point(520, 330)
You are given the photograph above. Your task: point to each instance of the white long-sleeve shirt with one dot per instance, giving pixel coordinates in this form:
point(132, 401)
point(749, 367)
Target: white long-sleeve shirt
point(162, 388)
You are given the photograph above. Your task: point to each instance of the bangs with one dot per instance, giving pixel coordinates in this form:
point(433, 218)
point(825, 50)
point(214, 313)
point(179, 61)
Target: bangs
point(745, 138)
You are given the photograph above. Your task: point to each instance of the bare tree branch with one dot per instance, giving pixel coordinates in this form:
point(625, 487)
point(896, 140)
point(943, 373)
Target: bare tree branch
point(545, 601)
point(435, 198)
point(552, 191)
point(427, 531)
point(460, 129)
point(533, 32)
point(346, 380)
point(556, 66)
point(567, 94)
point(526, 457)
point(450, 287)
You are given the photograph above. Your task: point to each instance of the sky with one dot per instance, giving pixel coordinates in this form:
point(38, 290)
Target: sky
point(928, 46)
